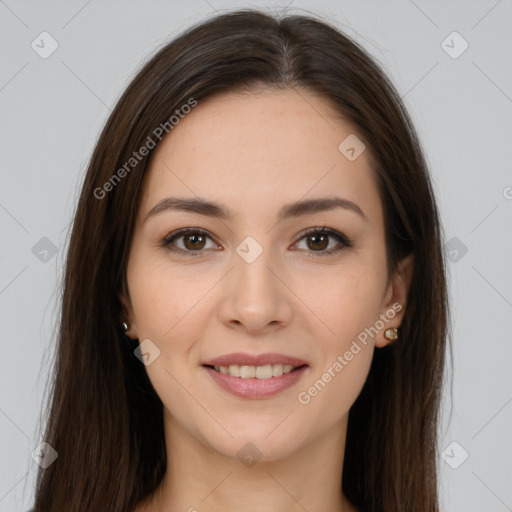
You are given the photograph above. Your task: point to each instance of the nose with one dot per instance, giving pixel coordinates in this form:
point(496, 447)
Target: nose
point(255, 295)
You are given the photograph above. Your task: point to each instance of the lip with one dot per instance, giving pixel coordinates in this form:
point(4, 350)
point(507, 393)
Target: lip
point(241, 358)
point(253, 387)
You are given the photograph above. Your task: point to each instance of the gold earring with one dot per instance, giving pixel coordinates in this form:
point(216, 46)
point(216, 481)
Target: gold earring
point(391, 334)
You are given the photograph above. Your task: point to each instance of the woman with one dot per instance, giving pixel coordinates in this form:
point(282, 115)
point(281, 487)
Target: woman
point(254, 312)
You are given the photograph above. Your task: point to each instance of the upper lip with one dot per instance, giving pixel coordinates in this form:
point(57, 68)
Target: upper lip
point(254, 360)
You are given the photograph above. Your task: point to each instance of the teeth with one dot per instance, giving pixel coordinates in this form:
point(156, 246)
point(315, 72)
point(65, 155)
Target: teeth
point(260, 372)
point(277, 370)
point(263, 372)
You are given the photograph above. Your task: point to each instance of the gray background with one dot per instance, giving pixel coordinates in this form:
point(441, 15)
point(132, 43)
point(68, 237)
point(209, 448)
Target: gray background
point(53, 109)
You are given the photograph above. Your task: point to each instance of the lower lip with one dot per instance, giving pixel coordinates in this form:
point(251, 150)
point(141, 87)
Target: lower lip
point(253, 387)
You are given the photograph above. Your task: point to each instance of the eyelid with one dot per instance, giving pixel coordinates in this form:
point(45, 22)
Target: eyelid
point(342, 239)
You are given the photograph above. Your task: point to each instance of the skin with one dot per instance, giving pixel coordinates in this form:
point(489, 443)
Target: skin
point(253, 153)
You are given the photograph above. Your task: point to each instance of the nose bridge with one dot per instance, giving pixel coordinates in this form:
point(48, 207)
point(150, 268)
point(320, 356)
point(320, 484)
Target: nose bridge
point(251, 266)
point(256, 295)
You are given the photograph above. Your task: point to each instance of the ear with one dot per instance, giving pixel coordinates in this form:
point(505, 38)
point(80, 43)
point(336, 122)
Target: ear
point(128, 316)
point(395, 299)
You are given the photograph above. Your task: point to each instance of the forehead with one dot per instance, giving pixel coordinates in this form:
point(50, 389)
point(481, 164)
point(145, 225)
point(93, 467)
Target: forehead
point(260, 148)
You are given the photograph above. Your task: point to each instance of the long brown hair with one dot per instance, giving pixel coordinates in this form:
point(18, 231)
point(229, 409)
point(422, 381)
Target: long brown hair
point(104, 418)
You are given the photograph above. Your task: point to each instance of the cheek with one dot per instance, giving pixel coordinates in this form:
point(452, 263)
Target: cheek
point(344, 302)
point(168, 310)
point(349, 304)
point(171, 308)
point(330, 393)
point(162, 297)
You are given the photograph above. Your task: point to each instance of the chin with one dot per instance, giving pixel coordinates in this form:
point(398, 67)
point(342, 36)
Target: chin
point(264, 441)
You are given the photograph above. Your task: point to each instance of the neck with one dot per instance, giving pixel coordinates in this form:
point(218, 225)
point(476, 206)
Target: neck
point(198, 478)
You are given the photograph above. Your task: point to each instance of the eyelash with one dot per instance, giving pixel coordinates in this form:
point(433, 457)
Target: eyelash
point(344, 242)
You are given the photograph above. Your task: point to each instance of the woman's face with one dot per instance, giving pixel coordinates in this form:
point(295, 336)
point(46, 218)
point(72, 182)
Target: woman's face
point(252, 282)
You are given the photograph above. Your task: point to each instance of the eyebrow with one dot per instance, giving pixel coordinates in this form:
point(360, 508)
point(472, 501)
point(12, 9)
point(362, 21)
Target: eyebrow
point(212, 209)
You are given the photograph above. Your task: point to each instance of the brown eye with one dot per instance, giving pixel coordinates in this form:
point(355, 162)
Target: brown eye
point(188, 241)
point(193, 241)
point(318, 240)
